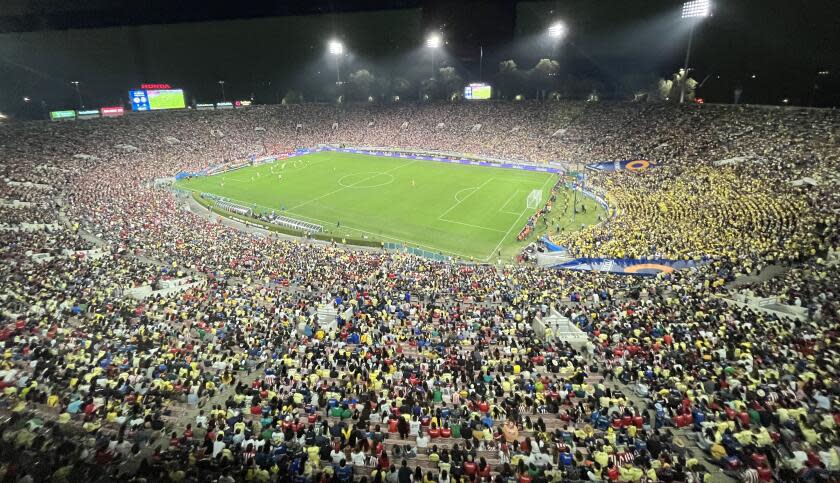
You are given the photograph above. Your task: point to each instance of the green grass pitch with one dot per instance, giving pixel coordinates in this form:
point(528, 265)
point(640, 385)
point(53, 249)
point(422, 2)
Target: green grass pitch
point(470, 212)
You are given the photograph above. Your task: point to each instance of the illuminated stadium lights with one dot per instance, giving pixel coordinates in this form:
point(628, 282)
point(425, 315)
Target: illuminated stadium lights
point(78, 93)
point(696, 8)
point(434, 41)
point(335, 47)
point(557, 30)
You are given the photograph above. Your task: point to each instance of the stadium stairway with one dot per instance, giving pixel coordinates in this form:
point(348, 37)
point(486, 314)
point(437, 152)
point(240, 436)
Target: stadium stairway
point(563, 329)
point(327, 317)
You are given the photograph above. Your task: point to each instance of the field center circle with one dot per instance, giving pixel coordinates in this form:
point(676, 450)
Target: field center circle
point(471, 191)
point(293, 164)
point(368, 179)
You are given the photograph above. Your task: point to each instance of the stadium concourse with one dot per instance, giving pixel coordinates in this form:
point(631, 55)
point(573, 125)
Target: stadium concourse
point(434, 371)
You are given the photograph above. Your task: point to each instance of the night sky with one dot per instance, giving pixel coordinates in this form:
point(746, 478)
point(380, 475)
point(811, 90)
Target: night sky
point(265, 48)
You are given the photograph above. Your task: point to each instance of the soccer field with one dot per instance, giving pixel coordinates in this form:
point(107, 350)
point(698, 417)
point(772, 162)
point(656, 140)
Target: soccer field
point(466, 211)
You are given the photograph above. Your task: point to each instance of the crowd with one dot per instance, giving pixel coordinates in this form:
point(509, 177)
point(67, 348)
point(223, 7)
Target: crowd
point(286, 360)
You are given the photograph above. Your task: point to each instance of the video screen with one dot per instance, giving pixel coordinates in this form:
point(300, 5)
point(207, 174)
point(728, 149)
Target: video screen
point(166, 99)
point(157, 99)
point(478, 91)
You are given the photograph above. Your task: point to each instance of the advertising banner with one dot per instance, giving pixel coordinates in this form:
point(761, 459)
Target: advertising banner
point(139, 101)
point(62, 115)
point(626, 165)
point(89, 114)
point(114, 111)
point(627, 266)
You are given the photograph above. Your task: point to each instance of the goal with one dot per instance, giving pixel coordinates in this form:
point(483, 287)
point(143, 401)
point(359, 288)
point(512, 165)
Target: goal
point(534, 199)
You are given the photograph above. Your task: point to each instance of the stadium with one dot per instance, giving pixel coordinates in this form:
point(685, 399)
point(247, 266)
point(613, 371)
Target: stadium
point(505, 288)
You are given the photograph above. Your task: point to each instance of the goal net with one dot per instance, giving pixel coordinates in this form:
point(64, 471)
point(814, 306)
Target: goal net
point(534, 199)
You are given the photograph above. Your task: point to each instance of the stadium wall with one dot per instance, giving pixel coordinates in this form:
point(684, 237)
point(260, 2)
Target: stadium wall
point(450, 156)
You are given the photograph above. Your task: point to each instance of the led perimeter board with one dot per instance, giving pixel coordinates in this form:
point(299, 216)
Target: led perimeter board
point(62, 115)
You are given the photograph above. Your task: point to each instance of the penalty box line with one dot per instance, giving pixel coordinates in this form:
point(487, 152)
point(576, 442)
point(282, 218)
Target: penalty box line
point(549, 178)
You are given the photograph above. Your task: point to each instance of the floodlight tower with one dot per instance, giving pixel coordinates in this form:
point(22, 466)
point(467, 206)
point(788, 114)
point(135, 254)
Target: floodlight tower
point(336, 48)
point(693, 9)
point(433, 42)
point(222, 84)
point(79, 94)
point(557, 32)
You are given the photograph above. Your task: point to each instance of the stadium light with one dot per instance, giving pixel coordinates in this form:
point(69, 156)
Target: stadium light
point(693, 9)
point(26, 98)
point(336, 48)
point(434, 41)
point(558, 30)
point(222, 84)
point(79, 94)
point(696, 8)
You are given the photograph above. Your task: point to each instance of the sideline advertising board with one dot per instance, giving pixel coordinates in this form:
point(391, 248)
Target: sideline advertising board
point(62, 115)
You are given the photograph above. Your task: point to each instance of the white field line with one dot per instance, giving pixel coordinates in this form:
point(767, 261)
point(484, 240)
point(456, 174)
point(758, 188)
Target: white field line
point(515, 222)
point(473, 226)
point(502, 210)
point(351, 185)
point(224, 178)
point(379, 235)
point(461, 191)
point(327, 223)
point(458, 202)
